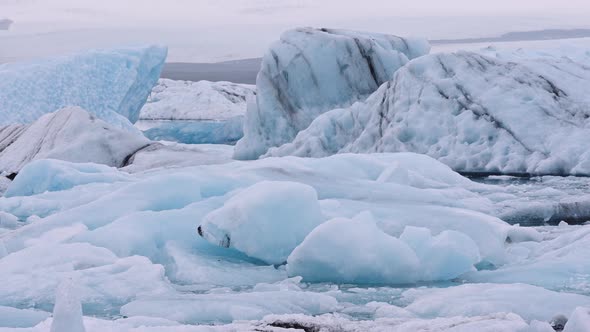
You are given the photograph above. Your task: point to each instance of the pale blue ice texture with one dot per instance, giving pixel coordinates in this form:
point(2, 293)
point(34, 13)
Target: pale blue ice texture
point(44, 175)
point(476, 113)
point(112, 84)
point(132, 246)
point(198, 131)
point(311, 71)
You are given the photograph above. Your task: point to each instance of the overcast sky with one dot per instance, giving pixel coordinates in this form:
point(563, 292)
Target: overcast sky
point(224, 29)
point(232, 11)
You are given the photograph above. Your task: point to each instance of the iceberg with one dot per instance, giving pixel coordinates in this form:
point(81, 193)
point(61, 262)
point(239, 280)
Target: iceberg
point(203, 100)
point(476, 113)
point(70, 134)
point(196, 112)
point(311, 71)
point(111, 84)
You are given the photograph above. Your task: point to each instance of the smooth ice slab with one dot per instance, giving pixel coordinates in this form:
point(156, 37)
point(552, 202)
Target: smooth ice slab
point(111, 84)
point(311, 71)
point(473, 112)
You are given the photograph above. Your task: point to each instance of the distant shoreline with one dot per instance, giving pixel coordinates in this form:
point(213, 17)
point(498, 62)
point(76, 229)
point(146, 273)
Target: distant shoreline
point(245, 71)
point(549, 34)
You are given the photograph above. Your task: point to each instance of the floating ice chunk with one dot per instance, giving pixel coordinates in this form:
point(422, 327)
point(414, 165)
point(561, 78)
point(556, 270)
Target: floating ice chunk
point(357, 251)
point(70, 134)
point(529, 302)
point(559, 258)
point(579, 321)
point(194, 267)
point(488, 108)
point(67, 314)
point(353, 251)
point(444, 256)
point(165, 192)
point(225, 308)
point(54, 175)
point(311, 71)
point(195, 112)
point(104, 282)
point(111, 84)
point(266, 221)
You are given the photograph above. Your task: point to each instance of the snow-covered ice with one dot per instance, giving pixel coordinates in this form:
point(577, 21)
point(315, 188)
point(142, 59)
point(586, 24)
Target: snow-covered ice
point(311, 71)
point(202, 100)
point(111, 84)
point(71, 134)
point(476, 113)
point(142, 255)
point(105, 230)
point(195, 112)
